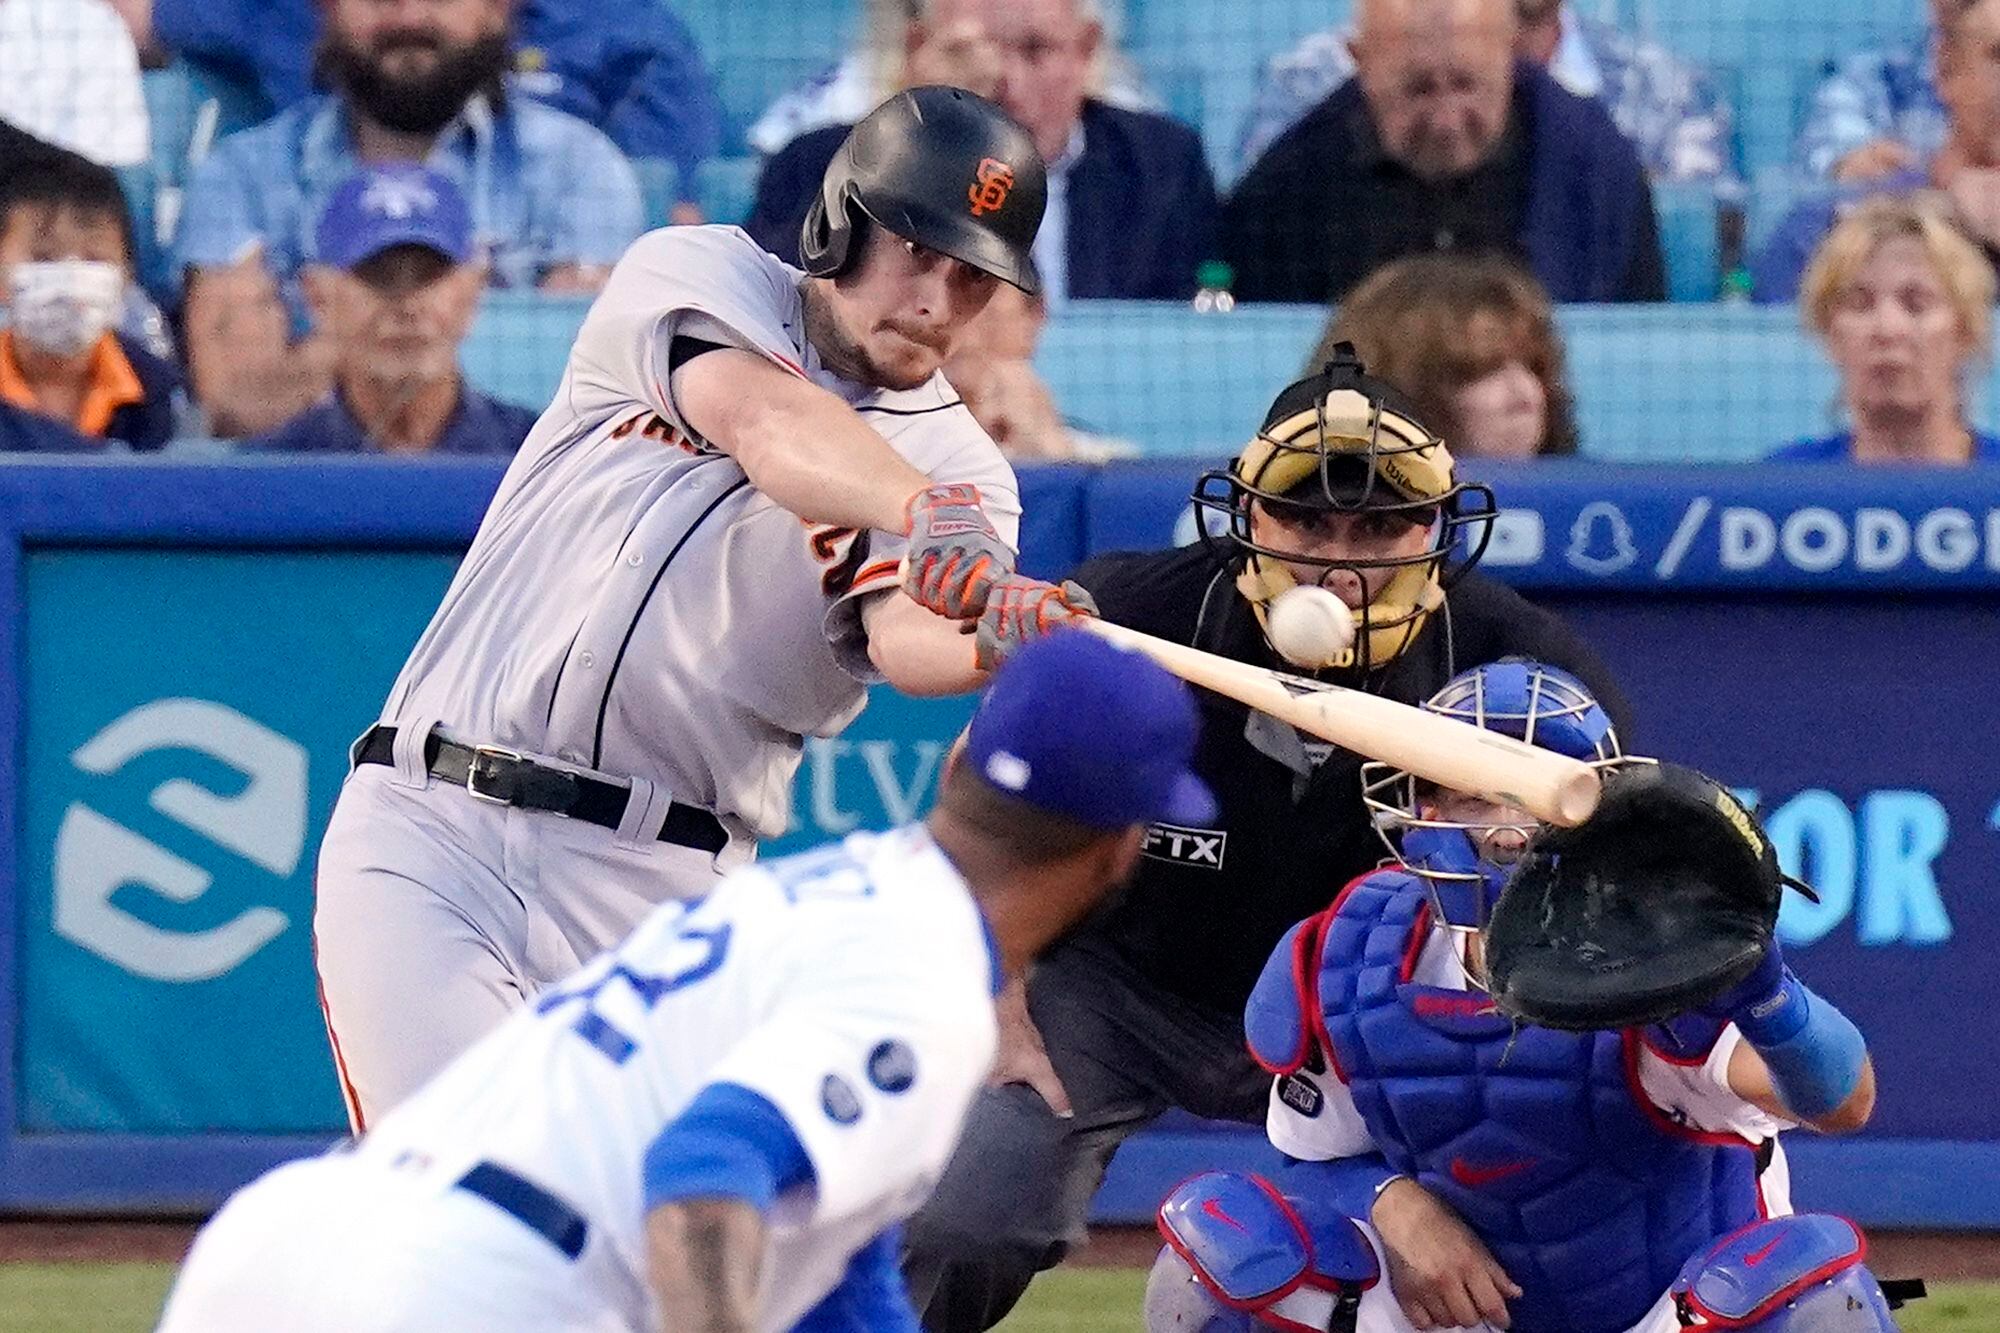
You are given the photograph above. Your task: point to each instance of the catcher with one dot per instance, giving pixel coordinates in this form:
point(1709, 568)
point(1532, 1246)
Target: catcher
point(1506, 1173)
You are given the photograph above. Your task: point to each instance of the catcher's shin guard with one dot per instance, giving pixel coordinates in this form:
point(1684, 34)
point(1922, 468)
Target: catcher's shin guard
point(1799, 1274)
point(1240, 1256)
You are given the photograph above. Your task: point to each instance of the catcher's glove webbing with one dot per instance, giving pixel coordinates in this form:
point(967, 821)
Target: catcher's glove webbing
point(1663, 899)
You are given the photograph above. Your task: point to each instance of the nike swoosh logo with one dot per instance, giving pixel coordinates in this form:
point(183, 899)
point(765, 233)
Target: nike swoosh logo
point(1760, 1254)
point(1477, 1177)
point(1214, 1210)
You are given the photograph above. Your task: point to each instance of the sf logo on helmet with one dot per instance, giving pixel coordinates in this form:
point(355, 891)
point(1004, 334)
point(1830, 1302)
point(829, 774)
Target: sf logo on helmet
point(989, 191)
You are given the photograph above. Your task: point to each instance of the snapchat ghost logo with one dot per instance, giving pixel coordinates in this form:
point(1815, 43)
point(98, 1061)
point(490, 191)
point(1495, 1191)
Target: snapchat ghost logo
point(1600, 541)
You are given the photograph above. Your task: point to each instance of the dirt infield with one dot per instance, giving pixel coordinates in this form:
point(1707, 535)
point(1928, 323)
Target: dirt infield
point(1940, 1256)
point(82, 1241)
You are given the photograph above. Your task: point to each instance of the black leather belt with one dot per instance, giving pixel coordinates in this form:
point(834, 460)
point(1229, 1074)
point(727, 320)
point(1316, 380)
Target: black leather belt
point(508, 777)
point(529, 1204)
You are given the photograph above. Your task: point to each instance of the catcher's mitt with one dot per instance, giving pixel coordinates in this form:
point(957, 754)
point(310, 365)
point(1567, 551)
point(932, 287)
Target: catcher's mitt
point(1662, 900)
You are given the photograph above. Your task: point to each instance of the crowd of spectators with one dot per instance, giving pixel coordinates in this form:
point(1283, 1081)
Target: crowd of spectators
point(1439, 173)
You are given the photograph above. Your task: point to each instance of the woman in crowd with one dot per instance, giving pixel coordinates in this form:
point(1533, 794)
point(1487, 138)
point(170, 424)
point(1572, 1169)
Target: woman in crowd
point(1904, 305)
point(1472, 340)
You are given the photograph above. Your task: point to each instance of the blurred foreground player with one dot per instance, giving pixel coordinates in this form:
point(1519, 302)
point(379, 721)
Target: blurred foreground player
point(1507, 1175)
point(719, 1124)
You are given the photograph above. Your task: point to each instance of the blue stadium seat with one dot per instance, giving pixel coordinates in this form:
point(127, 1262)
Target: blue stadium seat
point(726, 187)
point(1688, 215)
point(1774, 192)
point(1679, 383)
point(1169, 379)
point(149, 258)
point(191, 106)
point(1746, 34)
point(1652, 383)
point(659, 188)
point(520, 343)
point(1661, 383)
point(1768, 54)
point(760, 48)
point(1203, 58)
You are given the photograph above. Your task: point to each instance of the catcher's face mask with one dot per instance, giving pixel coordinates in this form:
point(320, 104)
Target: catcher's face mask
point(1464, 846)
point(1341, 443)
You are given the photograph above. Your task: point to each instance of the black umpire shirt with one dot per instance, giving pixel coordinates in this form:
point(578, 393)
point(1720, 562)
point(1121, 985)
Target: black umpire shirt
point(1207, 906)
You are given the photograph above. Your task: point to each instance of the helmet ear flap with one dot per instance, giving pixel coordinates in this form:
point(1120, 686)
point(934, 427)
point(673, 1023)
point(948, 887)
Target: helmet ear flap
point(826, 242)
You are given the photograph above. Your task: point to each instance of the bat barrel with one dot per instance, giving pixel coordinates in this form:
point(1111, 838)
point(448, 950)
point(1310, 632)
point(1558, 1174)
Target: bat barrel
point(1454, 754)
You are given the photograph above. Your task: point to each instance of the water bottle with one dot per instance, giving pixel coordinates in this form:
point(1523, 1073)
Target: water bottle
point(1212, 282)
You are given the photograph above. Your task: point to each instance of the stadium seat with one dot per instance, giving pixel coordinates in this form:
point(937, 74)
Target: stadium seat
point(1768, 54)
point(1688, 215)
point(1774, 192)
point(520, 343)
point(1203, 59)
point(727, 186)
point(1661, 383)
point(659, 188)
point(191, 106)
point(1680, 383)
point(1169, 379)
point(1652, 383)
point(760, 48)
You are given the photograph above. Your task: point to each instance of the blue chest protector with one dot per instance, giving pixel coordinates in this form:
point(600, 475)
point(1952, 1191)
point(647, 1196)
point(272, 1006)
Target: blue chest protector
point(1588, 1195)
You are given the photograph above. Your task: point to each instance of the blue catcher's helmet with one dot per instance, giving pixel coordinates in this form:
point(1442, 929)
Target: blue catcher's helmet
point(1530, 701)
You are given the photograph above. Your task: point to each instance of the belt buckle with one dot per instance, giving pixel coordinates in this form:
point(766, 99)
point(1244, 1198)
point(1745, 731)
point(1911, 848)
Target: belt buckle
point(480, 755)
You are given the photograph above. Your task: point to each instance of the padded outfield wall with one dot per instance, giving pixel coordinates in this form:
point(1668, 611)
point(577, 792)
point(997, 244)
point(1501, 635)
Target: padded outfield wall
point(187, 649)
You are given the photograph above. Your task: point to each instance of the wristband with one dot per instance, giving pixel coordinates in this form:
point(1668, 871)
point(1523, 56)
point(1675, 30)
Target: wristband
point(1814, 1052)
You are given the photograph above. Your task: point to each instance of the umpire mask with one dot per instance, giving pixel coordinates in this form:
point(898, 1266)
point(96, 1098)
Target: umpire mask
point(1342, 441)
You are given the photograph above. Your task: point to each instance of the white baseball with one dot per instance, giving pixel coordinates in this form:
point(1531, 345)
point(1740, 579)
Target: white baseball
point(1310, 627)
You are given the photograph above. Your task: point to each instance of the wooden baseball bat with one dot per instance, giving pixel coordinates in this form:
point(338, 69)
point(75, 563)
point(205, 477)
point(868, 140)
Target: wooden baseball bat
point(1550, 786)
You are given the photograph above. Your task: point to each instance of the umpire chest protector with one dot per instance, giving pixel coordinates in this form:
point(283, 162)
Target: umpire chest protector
point(1542, 1141)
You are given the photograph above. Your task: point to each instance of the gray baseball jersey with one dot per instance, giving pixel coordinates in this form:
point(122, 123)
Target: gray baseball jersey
point(631, 603)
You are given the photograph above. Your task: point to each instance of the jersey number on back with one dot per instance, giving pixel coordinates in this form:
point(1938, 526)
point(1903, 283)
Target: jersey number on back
point(599, 1031)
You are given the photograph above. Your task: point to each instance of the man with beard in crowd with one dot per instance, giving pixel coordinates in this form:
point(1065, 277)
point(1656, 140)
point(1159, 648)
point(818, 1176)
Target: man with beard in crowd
point(553, 202)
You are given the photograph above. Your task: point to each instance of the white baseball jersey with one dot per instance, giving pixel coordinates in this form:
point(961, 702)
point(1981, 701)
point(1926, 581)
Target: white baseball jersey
point(851, 987)
point(631, 603)
point(1696, 1095)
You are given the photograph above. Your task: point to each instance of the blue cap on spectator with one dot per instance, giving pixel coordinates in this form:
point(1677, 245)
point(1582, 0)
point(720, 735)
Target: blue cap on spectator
point(379, 208)
point(1077, 726)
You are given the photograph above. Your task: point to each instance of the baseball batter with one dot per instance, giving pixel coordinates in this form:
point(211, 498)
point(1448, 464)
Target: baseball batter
point(691, 566)
point(719, 1124)
point(1503, 1176)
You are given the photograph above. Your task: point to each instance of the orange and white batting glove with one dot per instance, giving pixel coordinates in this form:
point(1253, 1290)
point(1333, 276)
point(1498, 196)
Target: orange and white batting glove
point(1022, 610)
point(956, 555)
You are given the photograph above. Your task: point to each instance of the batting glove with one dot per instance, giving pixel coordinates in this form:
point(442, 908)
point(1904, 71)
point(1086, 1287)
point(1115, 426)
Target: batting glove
point(1022, 610)
point(956, 555)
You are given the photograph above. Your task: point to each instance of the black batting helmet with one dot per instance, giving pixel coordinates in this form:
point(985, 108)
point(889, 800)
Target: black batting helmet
point(939, 166)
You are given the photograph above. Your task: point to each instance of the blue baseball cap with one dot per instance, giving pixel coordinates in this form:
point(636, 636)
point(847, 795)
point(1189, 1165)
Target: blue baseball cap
point(1077, 726)
point(379, 208)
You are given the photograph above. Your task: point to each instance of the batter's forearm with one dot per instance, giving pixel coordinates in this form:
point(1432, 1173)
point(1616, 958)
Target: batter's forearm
point(923, 655)
point(703, 1257)
point(798, 444)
